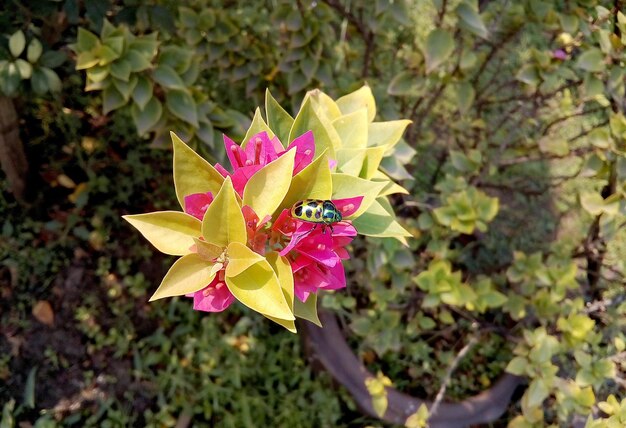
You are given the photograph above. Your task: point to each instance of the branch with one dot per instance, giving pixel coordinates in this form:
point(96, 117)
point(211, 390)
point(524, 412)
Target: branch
point(446, 379)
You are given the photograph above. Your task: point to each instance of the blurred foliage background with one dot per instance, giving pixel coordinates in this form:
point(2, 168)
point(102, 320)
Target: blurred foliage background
point(515, 165)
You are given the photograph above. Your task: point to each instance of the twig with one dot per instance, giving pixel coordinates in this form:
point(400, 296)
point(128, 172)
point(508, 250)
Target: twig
point(446, 379)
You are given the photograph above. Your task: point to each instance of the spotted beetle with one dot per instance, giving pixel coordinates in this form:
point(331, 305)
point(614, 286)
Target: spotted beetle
point(317, 211)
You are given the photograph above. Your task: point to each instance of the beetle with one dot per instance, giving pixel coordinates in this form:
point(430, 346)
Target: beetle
point(318, 211)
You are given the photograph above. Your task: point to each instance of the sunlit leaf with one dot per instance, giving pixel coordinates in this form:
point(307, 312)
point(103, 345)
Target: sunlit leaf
point(171, 232)
point(354, 101)
point(223, 222)
point(188, 274)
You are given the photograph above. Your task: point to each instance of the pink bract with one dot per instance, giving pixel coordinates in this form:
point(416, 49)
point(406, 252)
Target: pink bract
point(196, 204)
point(261, 150)
point(215, 297)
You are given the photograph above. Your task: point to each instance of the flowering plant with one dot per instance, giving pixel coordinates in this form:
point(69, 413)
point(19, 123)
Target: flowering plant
point(237, 235)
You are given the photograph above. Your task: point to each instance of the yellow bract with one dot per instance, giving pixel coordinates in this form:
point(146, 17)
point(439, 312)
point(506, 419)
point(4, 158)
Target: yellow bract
point(188, 274)
point(313, 182)
point(171, 232)
point(267, 188)
point(192, 174)
point(223, 221)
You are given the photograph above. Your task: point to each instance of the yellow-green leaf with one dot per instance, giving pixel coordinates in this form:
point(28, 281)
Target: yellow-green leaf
point(376, 221)
point(282, 269)
point(386, 134)
point(325, 135)
point(258, 288)
point(352, 129)
point(171, 232)
point(207, 250)
point(223, 221)
point(188, 274)
point(192, 174)
point(277, 118)
point(307, 310)
point(361, 98)
point(371, 162)
point(324, 105)
point(240, 258)
point(348, 186)
point(350, 161)
point(268, 187)
point(313, 182)
point(391, 187)
point(257, 125)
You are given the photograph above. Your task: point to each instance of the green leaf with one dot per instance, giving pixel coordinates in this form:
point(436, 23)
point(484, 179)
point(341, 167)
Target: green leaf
point(517, 366)
point(554, 145)
point(371, 161)
point(165, 76)
point(308, 120)
point(29, 389)
point(87, 41)
point(352, 129)
point(528, 74)
point(258, 125)
point(34, 51)
point(537, 392)
point(313, 182)
point(17, 43)
point(182, 105)
point(592, 202)
point(404, 84)
point(86, 60)
point(348, 186)
point(148, 117)
point(591, 60)
point(192, 174)
point(171, 232)
point(38, 81)
point(24, 68)
point(439, 46)
point(52, 59)
point(354, 101)
point(188, 274)
point(267, 188)
point(223, 222)
point(137, 61)
point(386, 134)
point(277, 118)
point(142, 92)
point(465, 96)
point(258, 288)
point(470, 20)
point(121, 69)
point(54, 83)
point(112, 99)
point(377, 221)
point(307, 310)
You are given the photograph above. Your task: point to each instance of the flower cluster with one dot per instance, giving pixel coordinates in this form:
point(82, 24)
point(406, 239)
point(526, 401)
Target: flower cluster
point(244, 234)
point(237, 237)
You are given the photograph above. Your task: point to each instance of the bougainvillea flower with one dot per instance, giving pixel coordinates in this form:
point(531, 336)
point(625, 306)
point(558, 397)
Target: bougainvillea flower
point(215, 297)
point(316, 250)
point(196, 204)
point(261, 150)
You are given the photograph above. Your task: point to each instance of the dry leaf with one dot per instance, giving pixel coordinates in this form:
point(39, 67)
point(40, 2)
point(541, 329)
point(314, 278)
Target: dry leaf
point(43, 312)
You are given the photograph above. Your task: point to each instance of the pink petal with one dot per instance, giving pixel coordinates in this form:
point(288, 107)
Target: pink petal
point(260, 150)
point(305, 150)
point(285, 224)
point(235, 154)
point(335, 277)
point(332, 163)
point(196, 204)
point(319, 247)
point(278, 146)
point(348, 206)
point(303, 229)
point(344, 228)
point(222, 170)
point(214, 298)
point(242, 175)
